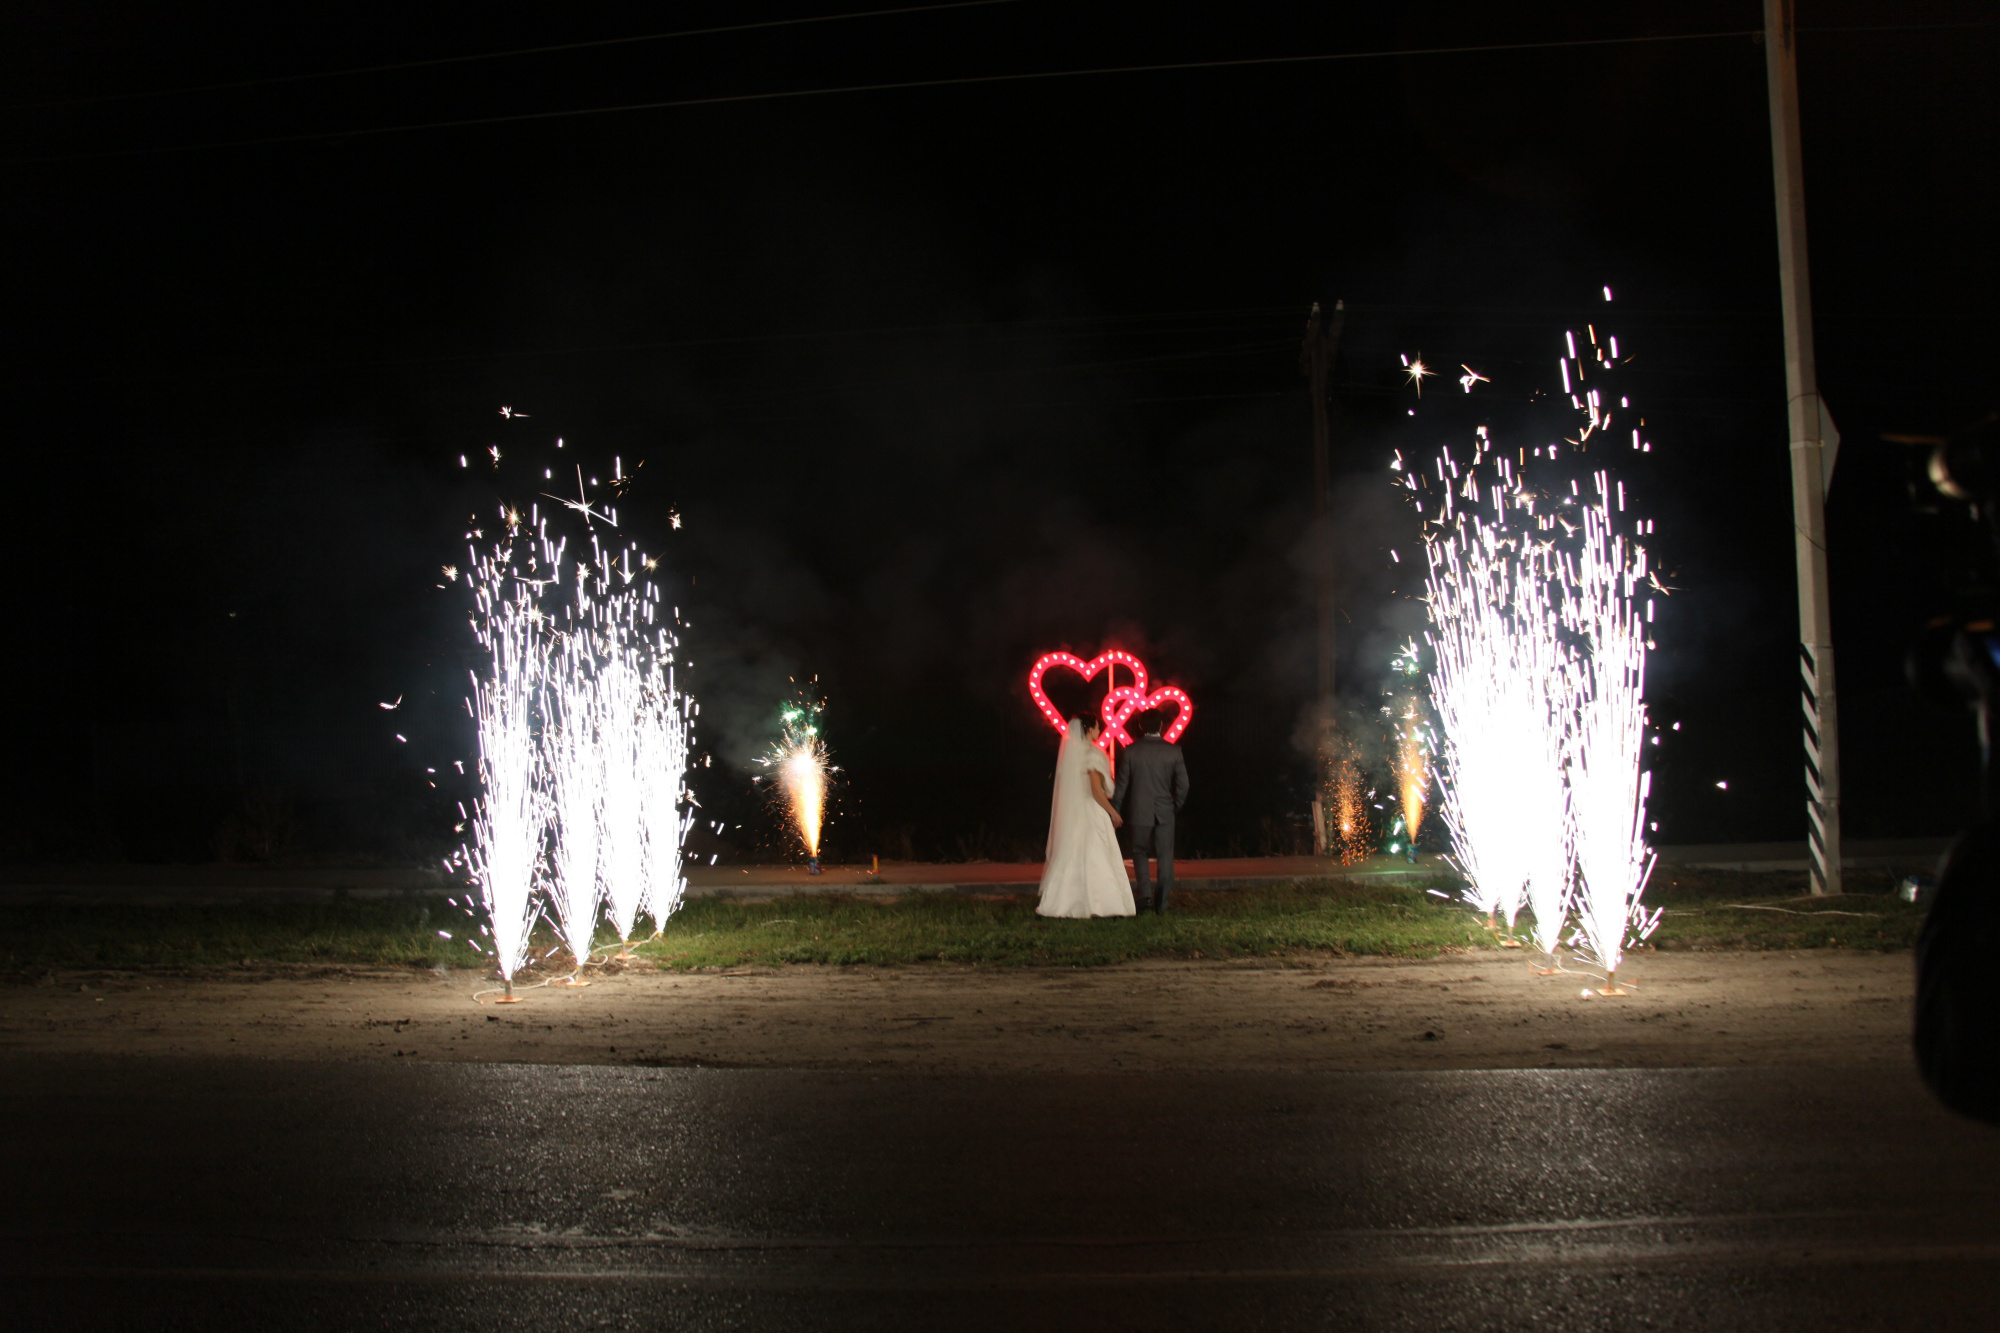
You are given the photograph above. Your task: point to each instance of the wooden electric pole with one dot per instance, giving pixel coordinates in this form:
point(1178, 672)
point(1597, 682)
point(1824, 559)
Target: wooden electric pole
point(1813, 444)
point(1322, 345)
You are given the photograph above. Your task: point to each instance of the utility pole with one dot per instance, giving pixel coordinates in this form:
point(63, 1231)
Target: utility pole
point(1813, 444)
point(1322, 345)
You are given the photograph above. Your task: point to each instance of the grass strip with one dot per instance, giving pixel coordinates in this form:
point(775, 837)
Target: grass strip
point(36, 937)
point(1704, 910)
point(1336, 918)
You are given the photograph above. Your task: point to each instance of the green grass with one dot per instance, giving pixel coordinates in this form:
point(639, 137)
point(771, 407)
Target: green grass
point(37, 937)
point(1299, 918)
point(1704, 910)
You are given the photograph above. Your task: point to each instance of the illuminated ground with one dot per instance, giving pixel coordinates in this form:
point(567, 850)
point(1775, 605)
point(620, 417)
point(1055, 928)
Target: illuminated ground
point(1461, 1011)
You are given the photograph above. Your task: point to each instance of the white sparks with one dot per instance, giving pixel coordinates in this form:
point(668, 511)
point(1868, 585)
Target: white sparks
point(1541, 648)
point(1418, 372)
point(583, 743)
point(1500, 694)
point(1608, 787)
point(581, 504)
point(512, 819)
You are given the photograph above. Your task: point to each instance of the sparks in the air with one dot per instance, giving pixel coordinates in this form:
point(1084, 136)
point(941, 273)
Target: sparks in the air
point(1418, 372)
point(1470, 378)
point(1353, 831)
point(581, 504)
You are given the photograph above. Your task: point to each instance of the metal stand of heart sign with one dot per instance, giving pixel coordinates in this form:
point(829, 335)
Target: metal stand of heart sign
point(1120, 702)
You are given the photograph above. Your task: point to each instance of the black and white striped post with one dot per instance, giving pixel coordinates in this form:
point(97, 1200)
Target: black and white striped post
point(1814, 442)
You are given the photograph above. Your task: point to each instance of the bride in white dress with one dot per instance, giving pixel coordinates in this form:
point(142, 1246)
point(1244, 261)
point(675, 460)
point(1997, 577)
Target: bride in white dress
point(1085, 872)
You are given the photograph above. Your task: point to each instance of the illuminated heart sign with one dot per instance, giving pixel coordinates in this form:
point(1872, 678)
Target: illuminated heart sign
point(1119, 704)
point(1123, 702)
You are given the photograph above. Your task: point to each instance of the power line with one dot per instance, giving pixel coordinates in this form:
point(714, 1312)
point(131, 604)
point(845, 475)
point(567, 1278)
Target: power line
point(912, 84)
point(275, 79)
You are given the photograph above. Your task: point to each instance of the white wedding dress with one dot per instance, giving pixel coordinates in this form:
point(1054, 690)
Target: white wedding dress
point(1085, 872)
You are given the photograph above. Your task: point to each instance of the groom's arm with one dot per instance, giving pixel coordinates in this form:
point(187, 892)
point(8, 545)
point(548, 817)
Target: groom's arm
point(1180, 779)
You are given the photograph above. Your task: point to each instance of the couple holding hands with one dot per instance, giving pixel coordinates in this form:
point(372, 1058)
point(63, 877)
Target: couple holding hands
point(1084, 874)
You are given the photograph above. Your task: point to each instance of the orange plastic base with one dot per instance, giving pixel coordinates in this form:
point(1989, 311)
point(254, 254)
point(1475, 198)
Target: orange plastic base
point(511, 999)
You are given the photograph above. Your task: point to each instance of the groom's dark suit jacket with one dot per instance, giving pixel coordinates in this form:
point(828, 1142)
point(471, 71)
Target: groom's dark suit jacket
point(1155, 775)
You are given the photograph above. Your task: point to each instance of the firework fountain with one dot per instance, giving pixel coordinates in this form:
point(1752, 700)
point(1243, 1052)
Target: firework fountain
point(621, 842)
point(798, 764)
point(616, 752)
point(583, 741)
point(511, 820)
point(1608, 790)
point(1352, 831)
point(575, 742)
point(1497, 645)
point(1413, 778)
point(1541, 649)
point(1410, 756)
point(642, 725)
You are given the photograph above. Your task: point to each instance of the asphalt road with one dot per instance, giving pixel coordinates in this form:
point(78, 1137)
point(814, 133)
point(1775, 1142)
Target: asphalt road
point(240, 1194)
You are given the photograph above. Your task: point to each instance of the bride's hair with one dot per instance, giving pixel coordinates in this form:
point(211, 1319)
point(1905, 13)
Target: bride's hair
point(1089, 722)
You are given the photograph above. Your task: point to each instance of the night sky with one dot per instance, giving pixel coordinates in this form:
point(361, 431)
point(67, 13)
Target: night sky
point(937, 378)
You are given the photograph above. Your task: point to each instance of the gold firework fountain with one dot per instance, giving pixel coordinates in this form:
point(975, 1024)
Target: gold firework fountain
point(1413, 776)
point(799, 775)
point(1353, 833)
point(1409, 750)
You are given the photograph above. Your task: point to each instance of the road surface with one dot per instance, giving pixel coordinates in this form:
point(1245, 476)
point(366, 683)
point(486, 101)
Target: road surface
point(222, 1194)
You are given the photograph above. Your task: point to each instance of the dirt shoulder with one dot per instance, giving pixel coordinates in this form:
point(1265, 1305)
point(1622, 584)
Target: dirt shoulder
point(1459, 1012)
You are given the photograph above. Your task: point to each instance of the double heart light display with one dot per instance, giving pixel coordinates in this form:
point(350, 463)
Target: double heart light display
point(1120, 702)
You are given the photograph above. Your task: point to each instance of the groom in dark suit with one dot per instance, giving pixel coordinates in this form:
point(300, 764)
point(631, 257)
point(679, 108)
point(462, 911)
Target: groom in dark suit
point(1155, 776)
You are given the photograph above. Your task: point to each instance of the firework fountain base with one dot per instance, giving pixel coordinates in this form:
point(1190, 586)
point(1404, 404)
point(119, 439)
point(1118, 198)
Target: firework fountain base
point(812, 865)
